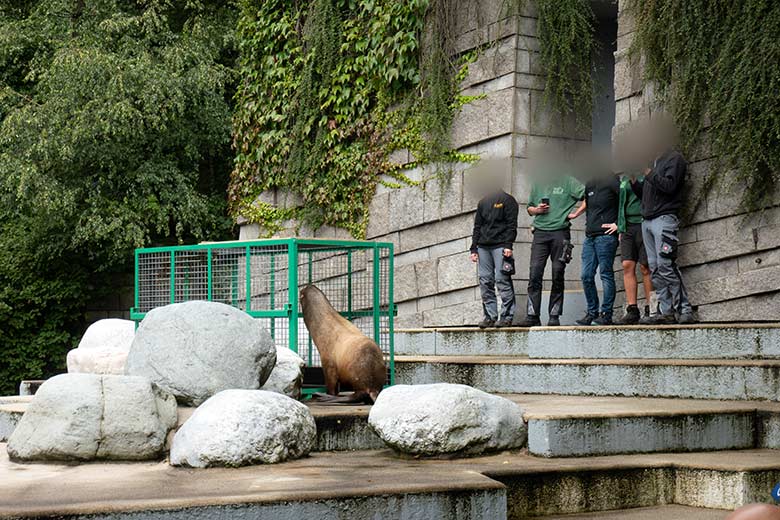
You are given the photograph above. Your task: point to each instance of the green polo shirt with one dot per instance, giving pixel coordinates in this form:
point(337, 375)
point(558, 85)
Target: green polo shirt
point(564, 193)
point(630, 207)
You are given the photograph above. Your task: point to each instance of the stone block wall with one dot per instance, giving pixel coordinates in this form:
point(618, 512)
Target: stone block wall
point(730, 259)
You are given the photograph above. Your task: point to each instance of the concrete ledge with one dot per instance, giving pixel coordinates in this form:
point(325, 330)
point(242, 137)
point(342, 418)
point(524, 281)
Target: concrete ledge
point(738, 341)
point(650, 513)
point(698, 379)
point(369, 485)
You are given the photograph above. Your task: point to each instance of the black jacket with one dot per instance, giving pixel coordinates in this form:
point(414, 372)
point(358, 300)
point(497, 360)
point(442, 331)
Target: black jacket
point(661, 192)
point(495, 224)
point(602, 197)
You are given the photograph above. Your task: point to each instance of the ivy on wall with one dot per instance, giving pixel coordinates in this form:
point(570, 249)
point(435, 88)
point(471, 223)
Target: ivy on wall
point(329, 89)
point(715, 63)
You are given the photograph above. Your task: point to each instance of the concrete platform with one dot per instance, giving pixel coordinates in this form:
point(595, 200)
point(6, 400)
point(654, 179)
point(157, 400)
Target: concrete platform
point(744, 379)
point(705, 341)
point(378, 485)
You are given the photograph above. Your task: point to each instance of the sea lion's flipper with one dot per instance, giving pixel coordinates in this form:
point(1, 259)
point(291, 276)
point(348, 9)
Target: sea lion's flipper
point(354, 398)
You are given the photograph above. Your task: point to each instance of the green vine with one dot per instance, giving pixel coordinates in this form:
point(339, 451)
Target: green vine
point(715, 65)
point(330, 89)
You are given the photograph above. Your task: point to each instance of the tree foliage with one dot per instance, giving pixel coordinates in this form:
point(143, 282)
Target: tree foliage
point(114, 134)
point(715, 63)
point(328, 90)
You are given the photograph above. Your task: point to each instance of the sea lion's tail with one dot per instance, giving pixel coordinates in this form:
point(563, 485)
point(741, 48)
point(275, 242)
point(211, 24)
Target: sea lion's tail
point(360, 397)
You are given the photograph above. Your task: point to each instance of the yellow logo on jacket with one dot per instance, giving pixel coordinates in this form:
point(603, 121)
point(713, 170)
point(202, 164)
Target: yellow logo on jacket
point(498, 205)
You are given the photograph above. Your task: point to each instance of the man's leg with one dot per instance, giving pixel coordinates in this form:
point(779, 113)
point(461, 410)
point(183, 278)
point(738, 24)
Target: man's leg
point(487, 284)
point(540, 250)
point(558, 271)
point(588, 277)
point(606, 247)
point(505, 288)
point(661, 269)
point(630, 282)
point(677, 292)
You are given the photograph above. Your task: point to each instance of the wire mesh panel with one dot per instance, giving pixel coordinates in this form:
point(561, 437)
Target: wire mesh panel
point(264, 279)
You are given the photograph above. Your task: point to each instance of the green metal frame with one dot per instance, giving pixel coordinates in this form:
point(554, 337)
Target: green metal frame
point(295, 246)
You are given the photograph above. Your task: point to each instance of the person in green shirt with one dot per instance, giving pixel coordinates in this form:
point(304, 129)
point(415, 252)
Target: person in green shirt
point(632, 250)
point(552, 204)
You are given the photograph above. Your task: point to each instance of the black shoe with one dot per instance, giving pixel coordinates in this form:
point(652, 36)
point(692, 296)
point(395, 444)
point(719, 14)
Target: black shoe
point(554, 321)
point(631, 317)
point(504, 322)
point(487, 322)
point(603, 320)
point(686, 318)
point(586, 320)
point(530, 321)
point(658, 319)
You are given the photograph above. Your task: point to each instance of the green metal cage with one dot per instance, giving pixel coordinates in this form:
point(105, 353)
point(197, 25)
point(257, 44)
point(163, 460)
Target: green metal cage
point(263, 278)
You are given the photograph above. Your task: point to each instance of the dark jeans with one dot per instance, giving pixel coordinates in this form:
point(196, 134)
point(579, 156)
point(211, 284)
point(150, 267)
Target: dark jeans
point(598, 252)
point(490, 279)
point(667, 280)
point(547, 244)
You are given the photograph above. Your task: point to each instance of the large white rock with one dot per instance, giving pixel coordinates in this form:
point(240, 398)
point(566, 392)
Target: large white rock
point(196, 349)
point(241, 427)
point(90, 416)
point(103, 348)
point(287, 376)
point(445, 418)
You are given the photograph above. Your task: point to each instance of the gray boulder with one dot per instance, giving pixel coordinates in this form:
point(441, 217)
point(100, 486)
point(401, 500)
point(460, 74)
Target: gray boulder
point(287, 376)
point(196, 349)
point(89, 416)
point(444, 418)
point(242, 427)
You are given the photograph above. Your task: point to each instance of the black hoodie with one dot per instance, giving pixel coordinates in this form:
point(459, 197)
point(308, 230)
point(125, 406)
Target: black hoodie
point(661, 192)
point(495, 224)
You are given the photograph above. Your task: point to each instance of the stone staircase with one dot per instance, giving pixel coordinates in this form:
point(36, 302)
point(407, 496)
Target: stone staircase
point(623, 422)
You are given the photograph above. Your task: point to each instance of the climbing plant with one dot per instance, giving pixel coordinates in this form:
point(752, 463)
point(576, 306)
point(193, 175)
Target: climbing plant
point(715, 65)
point(329, 89)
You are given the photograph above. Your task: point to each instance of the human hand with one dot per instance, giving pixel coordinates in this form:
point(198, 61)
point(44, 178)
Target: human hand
point(474, 257)
point(620, 237)
point(611, 228)
point(507, 252)
point(572, 216)
point(542, 208)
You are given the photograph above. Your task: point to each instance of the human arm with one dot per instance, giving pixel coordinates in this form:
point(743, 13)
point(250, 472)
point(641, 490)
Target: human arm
point(510, 215)
point(668, 180)
point(475, 234)
point(577, 212)
point(622, 197)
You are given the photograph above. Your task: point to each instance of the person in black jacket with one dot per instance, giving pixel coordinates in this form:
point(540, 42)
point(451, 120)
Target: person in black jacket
point(602, 197)
point(495, 230)
point(661, 194)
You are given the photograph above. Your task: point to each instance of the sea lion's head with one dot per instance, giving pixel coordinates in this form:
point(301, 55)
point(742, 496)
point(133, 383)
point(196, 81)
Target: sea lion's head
point(309, 294)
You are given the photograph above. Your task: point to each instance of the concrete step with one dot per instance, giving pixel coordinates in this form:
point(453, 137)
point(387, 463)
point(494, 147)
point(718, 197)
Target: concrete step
point(572, 426)
point(710, 341)
point(566, 426)
point(649, 513)
point(377, 484)
point(744, 379)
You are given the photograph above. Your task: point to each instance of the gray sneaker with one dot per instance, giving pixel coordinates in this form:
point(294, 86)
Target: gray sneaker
point(686, 319)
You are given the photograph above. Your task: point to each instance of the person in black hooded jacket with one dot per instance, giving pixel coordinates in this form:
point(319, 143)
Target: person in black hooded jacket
point(495, 230)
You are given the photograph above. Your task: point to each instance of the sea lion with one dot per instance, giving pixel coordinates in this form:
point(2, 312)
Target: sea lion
point(348, 356)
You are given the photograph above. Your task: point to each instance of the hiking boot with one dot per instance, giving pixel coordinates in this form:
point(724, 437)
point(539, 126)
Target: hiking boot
point(631, 317)
point(603, 320)
point(554, 321)
point(658, 319)
point(530, 321)
point(485, 323)
point(686, 318)
point(504, 322)
point(586, 320)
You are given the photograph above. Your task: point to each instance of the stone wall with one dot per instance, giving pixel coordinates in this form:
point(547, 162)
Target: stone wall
point(730, 259)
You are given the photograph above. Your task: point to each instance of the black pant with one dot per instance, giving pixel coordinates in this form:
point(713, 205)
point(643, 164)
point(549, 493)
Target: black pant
point(547, 244)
